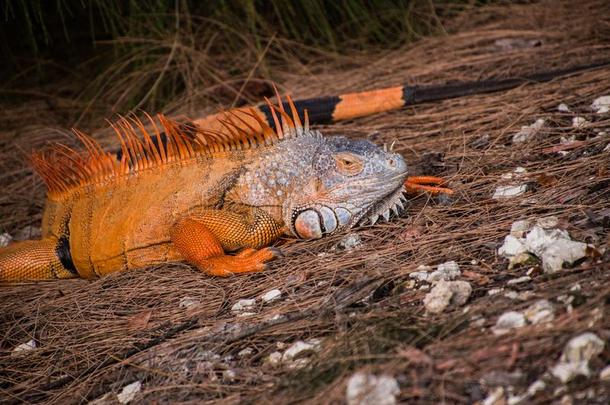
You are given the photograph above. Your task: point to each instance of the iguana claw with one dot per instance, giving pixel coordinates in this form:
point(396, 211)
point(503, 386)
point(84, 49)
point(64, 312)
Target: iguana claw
point(415, 184)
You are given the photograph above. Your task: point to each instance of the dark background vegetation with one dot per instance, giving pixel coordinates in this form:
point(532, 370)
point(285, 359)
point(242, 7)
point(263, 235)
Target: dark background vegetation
point(149, 53)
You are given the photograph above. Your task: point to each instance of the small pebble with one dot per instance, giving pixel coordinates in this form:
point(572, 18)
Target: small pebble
point(299, 348)
point(495, 291)
point(271, 295)
point(575, 358)
point(604, 375)
point(369, 389)
point(528, 131)
point(229, 375)
point(24, 347)
point(274, 358)
point(503, 192)
point(519, 280)
point(245, 352)
point(5, 239)
point(129, 392)
point(188, 302)
point(349, 242)
point(446, 293)
point(541, 311)
point(601, 105)
point(243, 305)
point(508, 321)
point(579, 122)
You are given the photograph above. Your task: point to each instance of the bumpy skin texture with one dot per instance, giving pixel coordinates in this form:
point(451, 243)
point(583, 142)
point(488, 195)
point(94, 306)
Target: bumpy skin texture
point(195, 200)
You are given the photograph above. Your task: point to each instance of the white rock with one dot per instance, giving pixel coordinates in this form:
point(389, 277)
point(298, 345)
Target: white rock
point(519, 228)
point(129, 392)
point(188, 302)
point(445, 271)
point(245, 352)
point(516, 399)
point(108, 398)
point(565, 372)
point(604, 375)
point(421, 276)
point(5, 239)
point(510, 294)
point(274, 358)
point(554, 247)
point(243, 305)
point(24, 347)
point(514, 249)
point(496, 397)
point(601, 105)
point(525, 295)
point(563, 107)
point(575, 358)
point(507, 321)
point(519, 280)
point(298, 363)
point(424, 268)
point(576, 287)
point(509, 191)
point(447, 293)
point(271, 295)
point(300, 348)
point(244, 314)
point(540, 312)
point(349, 242)
point(548, 222)
point(520, 170)
point(579, 122)
point(369, 389)
point(528, 131)
point(495, 291)
point(535, 387)
point(229, 375)
point(582, 348)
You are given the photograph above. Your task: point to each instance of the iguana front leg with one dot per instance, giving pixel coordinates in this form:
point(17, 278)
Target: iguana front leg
point(203, 238)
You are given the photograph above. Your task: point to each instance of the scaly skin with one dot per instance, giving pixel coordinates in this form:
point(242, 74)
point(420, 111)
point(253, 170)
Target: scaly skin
point(190, 201)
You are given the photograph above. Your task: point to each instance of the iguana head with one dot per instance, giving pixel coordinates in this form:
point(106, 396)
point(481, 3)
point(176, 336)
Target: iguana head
point(348, 182)
point(318, 185)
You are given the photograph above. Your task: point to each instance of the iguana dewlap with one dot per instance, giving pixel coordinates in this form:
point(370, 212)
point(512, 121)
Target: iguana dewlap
point(197, 198)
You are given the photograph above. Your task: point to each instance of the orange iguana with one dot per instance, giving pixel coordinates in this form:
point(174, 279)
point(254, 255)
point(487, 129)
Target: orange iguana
point(195, 198)
point(242, 179)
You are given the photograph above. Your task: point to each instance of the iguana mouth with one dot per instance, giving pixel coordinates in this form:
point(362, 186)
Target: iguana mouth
point(393, 203)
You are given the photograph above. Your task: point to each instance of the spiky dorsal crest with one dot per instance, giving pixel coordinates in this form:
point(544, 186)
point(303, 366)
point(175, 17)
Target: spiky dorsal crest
point(65, 169)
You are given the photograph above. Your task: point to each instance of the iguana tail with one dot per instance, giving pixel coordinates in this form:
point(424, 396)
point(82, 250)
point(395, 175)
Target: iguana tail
point(329, 109)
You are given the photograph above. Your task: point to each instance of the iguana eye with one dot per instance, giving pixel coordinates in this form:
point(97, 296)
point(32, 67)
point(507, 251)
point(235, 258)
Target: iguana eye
point(348, 163)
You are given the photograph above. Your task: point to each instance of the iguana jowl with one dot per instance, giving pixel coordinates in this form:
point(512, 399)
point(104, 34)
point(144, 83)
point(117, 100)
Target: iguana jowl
point(195, 198)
